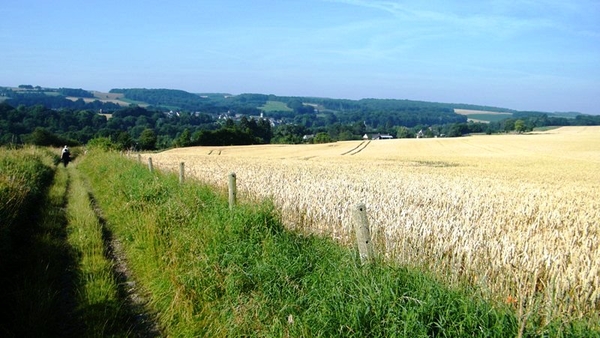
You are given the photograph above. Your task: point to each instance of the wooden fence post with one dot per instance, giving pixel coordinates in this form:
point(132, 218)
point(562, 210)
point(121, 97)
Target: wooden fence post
point(139, 158)
point(181, 172)
point(232, 191)
point(363, 234)
point(150, 164)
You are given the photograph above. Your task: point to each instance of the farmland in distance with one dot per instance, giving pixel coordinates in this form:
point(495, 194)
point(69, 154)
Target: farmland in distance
point(483, 115)
point(515, 215)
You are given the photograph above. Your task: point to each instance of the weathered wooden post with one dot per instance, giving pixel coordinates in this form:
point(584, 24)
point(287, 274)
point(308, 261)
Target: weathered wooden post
point(150, 164)
point(232, 191)
point(181, 172)
point(363, 234)
point(139, 158)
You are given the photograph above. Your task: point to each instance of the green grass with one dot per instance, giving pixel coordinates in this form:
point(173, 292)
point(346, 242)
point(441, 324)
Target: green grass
point(130, 101)
point(489, 117)
point(24, 177)
point(33, 257)
point(101, 309)
point(275, 106)
point(54, 277)
point(24, 174)
point(212, 272)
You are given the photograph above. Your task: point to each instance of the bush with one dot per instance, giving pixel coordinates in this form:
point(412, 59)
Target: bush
point(102, 143)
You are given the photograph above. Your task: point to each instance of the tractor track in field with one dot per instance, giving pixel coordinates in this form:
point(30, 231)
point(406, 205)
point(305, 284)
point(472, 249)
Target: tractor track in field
point(353, 149)
point(144, 324)
point(68, 303)
point(358, 148)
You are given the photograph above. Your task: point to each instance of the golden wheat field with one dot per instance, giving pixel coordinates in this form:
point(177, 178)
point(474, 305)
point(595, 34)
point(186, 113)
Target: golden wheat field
point(516, 215)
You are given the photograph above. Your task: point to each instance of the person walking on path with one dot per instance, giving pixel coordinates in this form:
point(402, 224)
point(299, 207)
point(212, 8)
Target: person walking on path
point(65, 157)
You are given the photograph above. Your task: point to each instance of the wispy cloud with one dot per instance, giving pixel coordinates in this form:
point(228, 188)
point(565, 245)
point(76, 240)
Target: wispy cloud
point(493, 18)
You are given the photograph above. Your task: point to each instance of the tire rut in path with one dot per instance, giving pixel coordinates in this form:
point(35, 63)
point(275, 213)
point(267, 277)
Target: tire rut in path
point(144, 324)
point(69, 327)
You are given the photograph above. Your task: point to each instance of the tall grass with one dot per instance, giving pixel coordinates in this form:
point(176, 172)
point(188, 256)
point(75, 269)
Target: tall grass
point(33, 257)
point(55, 280)
point(206, 271)
point(24, 175)
point(101, 309)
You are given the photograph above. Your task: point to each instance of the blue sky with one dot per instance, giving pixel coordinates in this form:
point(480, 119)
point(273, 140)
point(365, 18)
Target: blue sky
point(525, 55)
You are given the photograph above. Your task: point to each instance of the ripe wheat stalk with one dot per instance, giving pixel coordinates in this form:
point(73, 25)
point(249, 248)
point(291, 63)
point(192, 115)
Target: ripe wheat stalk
point(505, 227)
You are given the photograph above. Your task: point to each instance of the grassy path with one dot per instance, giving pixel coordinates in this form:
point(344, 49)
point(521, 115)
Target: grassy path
point(65, 276)
point(140, 322)
point(106, 294)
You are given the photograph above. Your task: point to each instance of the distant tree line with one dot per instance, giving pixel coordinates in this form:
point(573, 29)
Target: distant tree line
point(166, 98)
point(75, 92)
point(32, 115)
point(131, 127)
point(524, 122)
point(57, 101)
point(172, 99)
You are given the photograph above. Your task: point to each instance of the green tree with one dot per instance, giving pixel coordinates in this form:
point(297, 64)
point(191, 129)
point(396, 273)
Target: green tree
point(404, 132)
point(147, 140)
point(520, 126)
point(322, 138)
point(264, 130)
point(184, 139)
point(124, 140)
point(103, 143)
point(229, 123)
point(163, 142)
point(345, 136)
point(289, 133)
point(43, 137)
point(509, 125)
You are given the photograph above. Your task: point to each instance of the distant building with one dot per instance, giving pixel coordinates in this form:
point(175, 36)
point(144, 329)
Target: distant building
point(382, 137)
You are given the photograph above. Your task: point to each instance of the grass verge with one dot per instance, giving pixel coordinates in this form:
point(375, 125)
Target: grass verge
point(24, 177)
point(34, 257)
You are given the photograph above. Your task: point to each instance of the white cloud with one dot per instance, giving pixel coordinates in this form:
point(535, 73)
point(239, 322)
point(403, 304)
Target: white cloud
point(501, 19)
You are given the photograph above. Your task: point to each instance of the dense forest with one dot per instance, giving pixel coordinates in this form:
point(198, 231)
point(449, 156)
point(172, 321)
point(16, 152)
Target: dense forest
point(130, 127)
point(54, 98)
point(175, 118)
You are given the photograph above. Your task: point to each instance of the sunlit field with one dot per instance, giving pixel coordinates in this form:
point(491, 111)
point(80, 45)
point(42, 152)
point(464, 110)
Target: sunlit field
point(515, 215)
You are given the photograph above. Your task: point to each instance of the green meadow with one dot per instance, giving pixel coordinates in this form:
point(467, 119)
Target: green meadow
point(275, 106)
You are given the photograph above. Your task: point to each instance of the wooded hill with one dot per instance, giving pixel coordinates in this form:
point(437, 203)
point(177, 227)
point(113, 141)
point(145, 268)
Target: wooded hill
point(179, 118)
point(171, 99)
